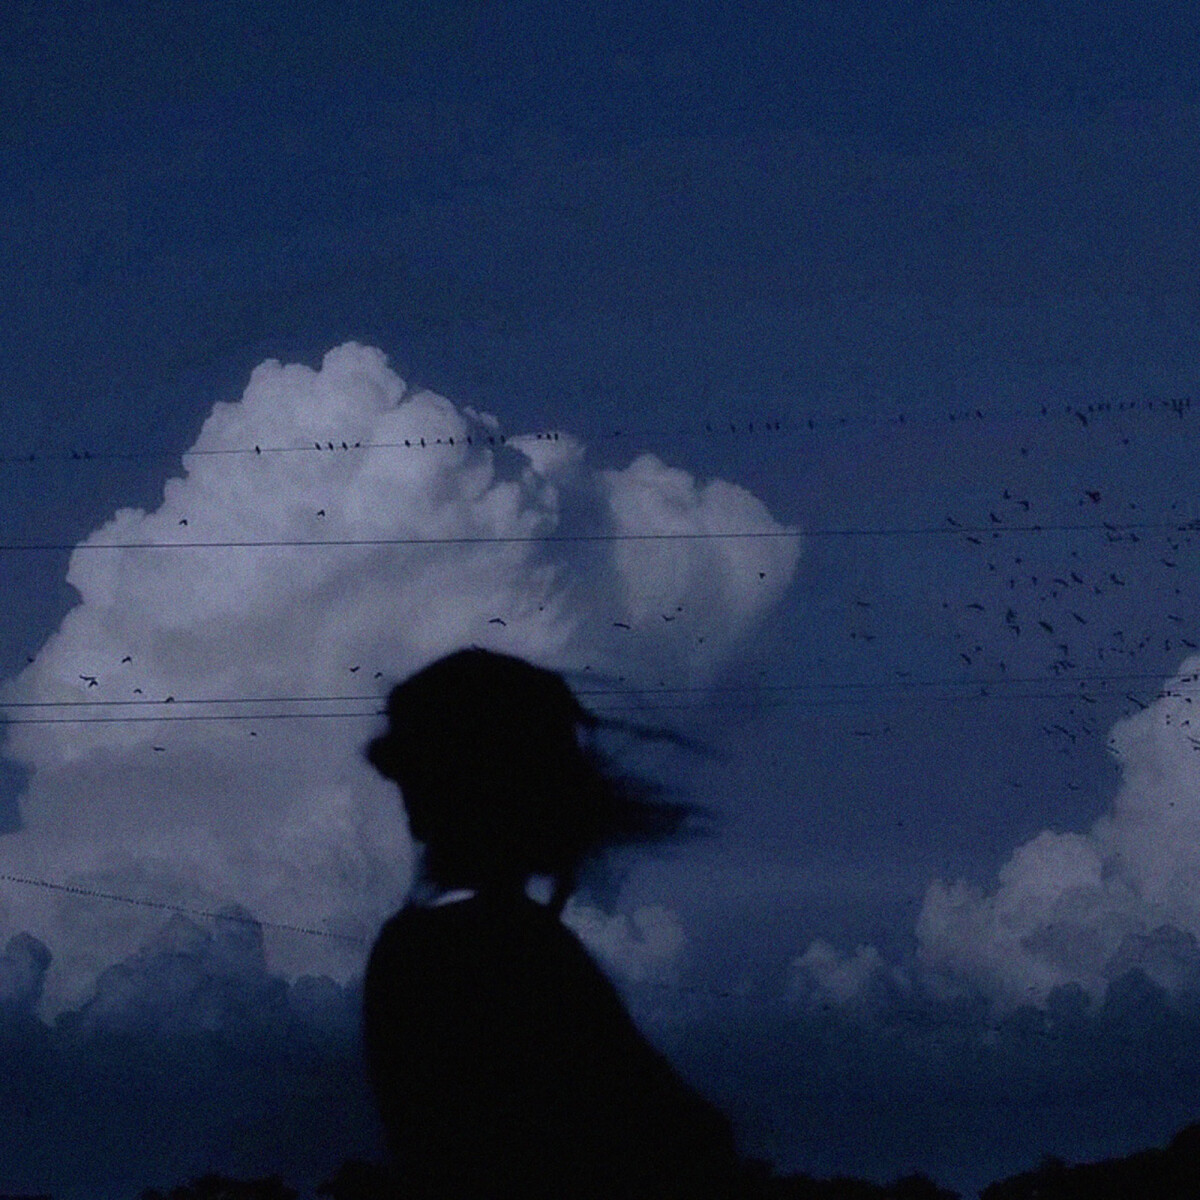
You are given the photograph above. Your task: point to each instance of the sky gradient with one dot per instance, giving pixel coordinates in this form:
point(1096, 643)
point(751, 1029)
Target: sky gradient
point(827, 379)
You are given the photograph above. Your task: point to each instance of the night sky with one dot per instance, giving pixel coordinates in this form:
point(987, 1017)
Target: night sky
point(816, 380)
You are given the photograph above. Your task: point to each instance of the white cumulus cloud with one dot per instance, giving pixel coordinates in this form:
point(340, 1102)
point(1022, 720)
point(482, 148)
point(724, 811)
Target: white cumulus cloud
point(240, 781)
point(1085, 907)
point(642, 946)
point(823, 976)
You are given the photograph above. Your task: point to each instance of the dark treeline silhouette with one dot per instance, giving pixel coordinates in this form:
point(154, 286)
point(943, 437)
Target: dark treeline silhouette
point(357, 1180)
point(224, 1187)
point(803, 1187)
point(1172, 1173)
point(368, 1181)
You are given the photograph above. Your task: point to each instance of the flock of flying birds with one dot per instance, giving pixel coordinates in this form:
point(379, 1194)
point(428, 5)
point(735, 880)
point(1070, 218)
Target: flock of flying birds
point(1091, 613)
point(117, 692)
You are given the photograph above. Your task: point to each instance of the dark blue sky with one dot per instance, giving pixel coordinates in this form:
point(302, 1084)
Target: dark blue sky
point(671, 220)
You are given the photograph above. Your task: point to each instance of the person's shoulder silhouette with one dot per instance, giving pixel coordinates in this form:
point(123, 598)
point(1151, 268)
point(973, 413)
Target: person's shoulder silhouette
point(503, 1061)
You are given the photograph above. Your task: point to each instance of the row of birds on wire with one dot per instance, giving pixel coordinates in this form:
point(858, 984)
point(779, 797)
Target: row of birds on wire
point(1081, 413)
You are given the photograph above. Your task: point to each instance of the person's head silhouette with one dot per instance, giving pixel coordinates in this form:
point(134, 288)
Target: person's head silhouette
point(492, 758)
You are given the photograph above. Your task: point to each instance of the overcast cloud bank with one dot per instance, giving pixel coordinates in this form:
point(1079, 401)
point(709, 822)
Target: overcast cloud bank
point(447, 534)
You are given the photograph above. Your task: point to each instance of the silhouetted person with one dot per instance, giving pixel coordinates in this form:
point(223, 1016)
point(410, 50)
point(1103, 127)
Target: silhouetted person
point(504, 1064)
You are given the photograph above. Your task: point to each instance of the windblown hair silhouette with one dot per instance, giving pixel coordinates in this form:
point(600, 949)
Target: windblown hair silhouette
point(502, 1059)
point(499, 782)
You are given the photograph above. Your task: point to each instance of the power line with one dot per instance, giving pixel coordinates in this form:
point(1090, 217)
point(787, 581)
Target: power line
point(298, 716)
point(634, 691)
point(995, 530)
point(141, 902)
point(968, 692)
point(192, 700)
point(723, 427)
point(483, 540)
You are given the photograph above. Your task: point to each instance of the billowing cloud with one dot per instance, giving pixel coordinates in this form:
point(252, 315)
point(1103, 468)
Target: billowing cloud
point(217, 766)
point(825, 977)
point(22, 972)
point(642, 946)
point(188, 979)
point(1084, 908)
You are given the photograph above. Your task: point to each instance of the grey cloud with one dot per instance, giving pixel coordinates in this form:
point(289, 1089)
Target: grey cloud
point(23, 969)
point(1086, 908)
point(187, 979)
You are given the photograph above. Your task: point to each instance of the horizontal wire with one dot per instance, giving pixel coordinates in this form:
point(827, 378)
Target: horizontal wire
point(140, 902)
point(975, 694)
point(299, 716)
point(716, 427)
point(697, 689)
point(1190, 525)
point(482, 540)
point(216, 700)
